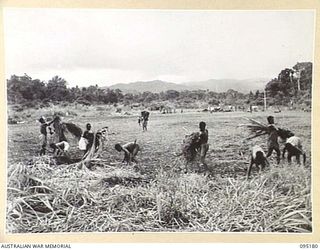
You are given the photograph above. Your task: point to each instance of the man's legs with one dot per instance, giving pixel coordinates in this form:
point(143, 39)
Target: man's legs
point(270, 150)
point(203, 152)
point(277, 149)
point(135, 152)
point(43, 145)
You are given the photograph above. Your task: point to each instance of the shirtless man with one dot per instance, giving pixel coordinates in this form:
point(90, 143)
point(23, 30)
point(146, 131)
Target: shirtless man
point(43, 134)
point(294, 147)
point(203, 145)
point(89, 135)
point(273, 144)
point(258, 158)
point(60, 148)
point(130, 150)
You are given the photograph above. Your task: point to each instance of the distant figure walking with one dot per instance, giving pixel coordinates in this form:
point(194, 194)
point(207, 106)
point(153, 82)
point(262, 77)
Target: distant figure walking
point(43, 134)
point(130, 150)
point(145, 119)
point(273, 144)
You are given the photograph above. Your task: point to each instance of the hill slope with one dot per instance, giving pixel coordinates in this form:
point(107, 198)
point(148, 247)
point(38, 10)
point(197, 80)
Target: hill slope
point(155, 86)
point(216, 85)
point(222, 85)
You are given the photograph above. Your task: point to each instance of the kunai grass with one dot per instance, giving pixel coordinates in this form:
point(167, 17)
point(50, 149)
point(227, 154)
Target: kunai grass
point(47, 198)
point(157, 195)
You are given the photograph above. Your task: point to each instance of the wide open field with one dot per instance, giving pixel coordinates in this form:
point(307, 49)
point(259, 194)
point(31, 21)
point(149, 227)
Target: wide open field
point(157, 194)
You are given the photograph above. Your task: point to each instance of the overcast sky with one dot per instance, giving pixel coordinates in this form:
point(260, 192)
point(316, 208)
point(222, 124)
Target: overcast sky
point(105, 47)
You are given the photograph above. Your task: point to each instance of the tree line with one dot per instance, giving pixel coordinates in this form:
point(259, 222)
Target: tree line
point(293, 85)
point(288, 87)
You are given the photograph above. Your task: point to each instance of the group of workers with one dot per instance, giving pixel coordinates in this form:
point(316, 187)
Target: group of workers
point(292, 146)
point(87, 140)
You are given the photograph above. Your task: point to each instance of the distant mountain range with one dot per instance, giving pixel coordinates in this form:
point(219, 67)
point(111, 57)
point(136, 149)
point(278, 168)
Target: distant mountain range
point(216, 85)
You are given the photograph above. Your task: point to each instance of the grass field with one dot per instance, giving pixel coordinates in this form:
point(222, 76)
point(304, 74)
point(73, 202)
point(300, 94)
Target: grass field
point(156, 194)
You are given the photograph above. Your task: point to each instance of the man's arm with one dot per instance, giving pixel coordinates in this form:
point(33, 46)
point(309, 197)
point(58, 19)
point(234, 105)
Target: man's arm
point(127, 154)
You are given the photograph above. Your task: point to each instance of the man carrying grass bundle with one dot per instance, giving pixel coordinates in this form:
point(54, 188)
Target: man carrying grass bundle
point(145, 119)
point(195, 143)
point(260, 129)
point(203, 145)
point(273, 144)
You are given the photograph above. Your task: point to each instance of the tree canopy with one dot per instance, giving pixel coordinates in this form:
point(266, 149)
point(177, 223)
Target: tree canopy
point(291, 85)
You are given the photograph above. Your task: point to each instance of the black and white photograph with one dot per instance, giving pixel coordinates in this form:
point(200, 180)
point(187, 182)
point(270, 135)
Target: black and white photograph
point(149, 120)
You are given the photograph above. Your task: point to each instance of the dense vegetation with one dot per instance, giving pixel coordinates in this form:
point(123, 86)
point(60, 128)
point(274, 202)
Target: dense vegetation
point(289, 87)
point(286, 89)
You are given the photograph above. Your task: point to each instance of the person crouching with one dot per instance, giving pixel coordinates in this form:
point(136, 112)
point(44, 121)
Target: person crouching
point(60, 148)
point(130, 150)
point(294, 147)
point(258, 158)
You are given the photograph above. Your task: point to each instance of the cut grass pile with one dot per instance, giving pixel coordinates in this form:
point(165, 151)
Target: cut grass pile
point(44, 197)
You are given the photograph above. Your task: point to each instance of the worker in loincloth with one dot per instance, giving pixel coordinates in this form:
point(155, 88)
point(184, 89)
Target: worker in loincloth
point(294, 147)
point(89, 136)
point(258, 158)
point(130, 150)
point(273, 144)
point(43, 134)
point(60, 148)
point(203, 145)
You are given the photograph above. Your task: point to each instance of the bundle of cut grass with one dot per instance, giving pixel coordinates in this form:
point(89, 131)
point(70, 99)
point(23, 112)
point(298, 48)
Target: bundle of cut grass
point(99, 139)
point(63, 127)
point(255, 128)
point(73, 129)
point(145, 115)
point(190, 145)
point(284, 133)
point(258, 129)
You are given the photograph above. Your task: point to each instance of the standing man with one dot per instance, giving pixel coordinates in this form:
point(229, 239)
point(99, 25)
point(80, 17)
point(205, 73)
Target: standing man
point(145, 119)
point(88, 134)
point(273, 144)
point(43, 134)
point(203, 145)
